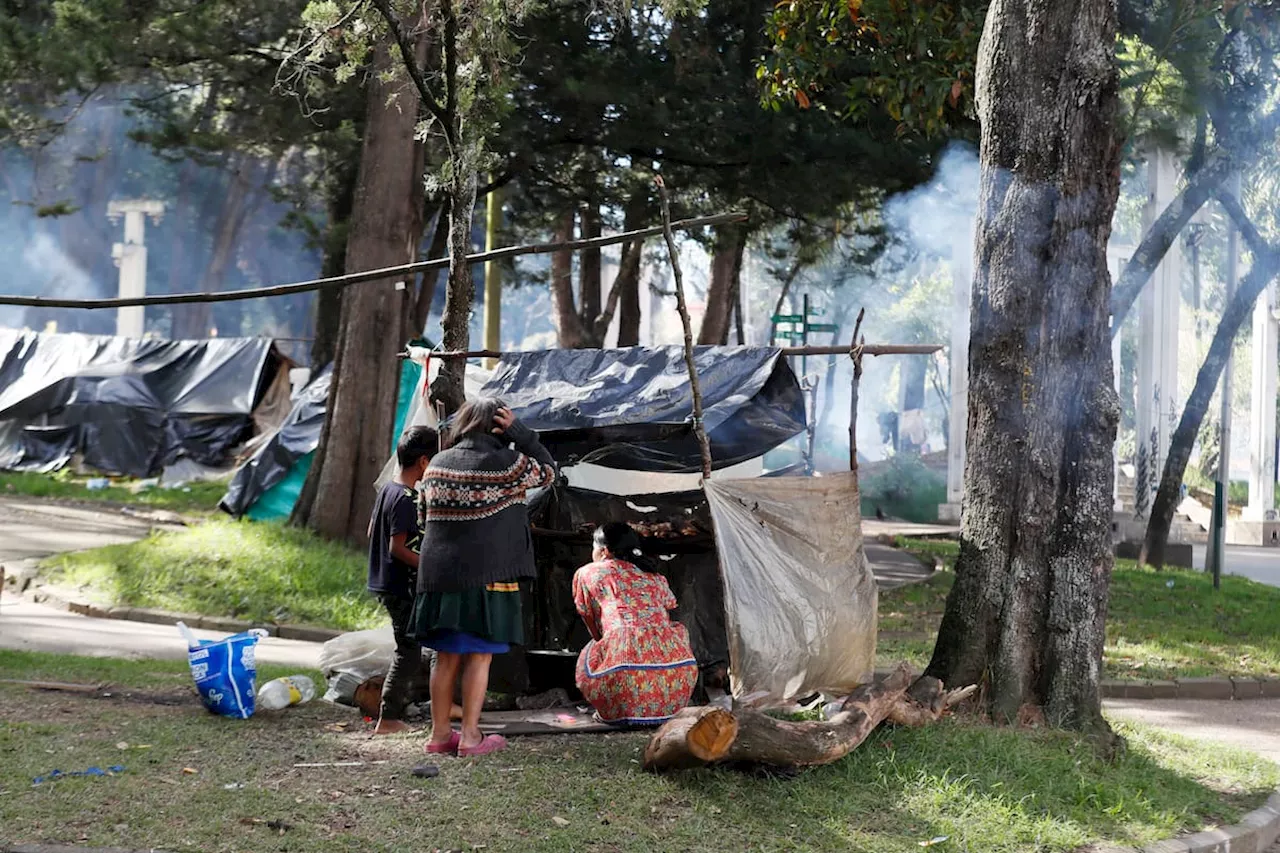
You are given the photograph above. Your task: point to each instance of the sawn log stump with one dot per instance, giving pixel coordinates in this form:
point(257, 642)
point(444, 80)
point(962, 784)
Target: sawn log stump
point(698, 737)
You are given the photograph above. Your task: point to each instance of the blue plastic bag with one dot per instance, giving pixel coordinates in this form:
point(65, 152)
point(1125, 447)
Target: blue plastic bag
point(225, 671)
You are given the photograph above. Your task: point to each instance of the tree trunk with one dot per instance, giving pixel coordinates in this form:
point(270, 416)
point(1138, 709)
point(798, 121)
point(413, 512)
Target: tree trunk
point(589, 277)
point(328, 303)
point(460, 294)
point(722, 292)
point(196, 320)
point(426, 290)
point(385, 230)
point(1265, 266)
point(569, 327)
point(1027, 612)
point(1164, 231)
point(629, 278)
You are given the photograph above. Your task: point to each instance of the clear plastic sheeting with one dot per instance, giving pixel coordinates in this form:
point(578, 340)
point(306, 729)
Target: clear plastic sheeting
point(800, 599)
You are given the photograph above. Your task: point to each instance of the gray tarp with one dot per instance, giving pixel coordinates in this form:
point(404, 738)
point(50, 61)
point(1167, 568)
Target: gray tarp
point(129, 406)
point(630, 408)
point(800, 599)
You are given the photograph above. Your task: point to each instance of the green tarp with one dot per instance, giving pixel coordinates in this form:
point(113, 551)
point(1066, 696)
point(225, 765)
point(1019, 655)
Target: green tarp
point(277, 502)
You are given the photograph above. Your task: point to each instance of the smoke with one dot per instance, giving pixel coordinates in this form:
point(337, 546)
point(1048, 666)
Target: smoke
point(937, 219)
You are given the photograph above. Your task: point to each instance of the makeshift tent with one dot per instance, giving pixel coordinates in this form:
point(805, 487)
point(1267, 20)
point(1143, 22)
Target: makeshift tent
point(630, 408)
point(266, 486)
point(132, 406)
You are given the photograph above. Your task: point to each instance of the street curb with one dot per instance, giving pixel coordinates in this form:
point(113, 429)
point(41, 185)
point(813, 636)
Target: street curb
point(60, 599)
point(1253, 834)
point(1193, 688)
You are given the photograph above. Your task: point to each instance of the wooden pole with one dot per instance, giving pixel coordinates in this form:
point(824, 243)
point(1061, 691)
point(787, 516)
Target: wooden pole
point(866, 349)
point(855, 353)
point(396, 272)
point(492, 276)
point(698, 427)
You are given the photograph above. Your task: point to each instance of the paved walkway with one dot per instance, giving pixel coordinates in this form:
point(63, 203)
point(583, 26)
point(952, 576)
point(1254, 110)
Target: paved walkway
point(1252, 724)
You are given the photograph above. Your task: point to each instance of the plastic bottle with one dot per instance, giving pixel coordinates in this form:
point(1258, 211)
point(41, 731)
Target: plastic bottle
point(284, 692)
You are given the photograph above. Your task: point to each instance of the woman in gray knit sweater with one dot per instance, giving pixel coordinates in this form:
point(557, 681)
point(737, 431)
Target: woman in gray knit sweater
point(476, 546)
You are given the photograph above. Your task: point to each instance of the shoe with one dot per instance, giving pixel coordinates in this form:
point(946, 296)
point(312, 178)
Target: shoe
point(449, 747)
point(491, 744)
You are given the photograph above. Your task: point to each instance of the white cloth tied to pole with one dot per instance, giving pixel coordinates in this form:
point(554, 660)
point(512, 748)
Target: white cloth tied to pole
point(800, 598)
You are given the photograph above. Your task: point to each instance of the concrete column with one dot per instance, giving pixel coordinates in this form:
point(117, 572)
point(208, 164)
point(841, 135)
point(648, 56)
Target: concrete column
point(958, 423)
point(1158, 307)
point(1262, 415)
point(131, 257)
point(1117, 258)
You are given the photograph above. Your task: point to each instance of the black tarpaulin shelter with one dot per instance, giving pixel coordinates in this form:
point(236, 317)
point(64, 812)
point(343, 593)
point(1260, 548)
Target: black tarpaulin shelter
point(630, 408)
point(275, 459)
point(130, 406)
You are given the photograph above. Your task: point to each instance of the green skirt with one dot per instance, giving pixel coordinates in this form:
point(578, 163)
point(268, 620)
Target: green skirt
point(491, 613)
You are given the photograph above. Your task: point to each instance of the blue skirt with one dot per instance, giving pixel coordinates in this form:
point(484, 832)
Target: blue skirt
point(462, 643)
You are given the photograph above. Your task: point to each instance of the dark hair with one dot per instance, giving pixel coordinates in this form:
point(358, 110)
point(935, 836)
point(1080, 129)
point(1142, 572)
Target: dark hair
point(621, 541)
point(474, 416)
point(415, 443)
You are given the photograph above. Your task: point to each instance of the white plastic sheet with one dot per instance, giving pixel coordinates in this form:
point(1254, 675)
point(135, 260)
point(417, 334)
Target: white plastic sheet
point(800, 599)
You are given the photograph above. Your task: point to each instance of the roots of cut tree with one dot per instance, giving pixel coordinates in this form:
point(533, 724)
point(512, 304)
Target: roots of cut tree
point(697, 737)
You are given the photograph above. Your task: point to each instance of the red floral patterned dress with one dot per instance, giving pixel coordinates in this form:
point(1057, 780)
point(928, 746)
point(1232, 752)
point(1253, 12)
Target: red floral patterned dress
point(639, 667)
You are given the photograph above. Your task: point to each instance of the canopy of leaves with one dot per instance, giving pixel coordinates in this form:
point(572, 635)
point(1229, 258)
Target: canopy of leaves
point(912, 61)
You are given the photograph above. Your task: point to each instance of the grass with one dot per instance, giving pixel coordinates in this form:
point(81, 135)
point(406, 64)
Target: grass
point(985, 789)
point(1160, 625)
point(195, 498)
point(256, 571)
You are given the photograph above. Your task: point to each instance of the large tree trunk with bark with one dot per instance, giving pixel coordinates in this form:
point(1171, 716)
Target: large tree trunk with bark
point(722, 291)
point(570, 330)
point(385, 230)
point(1026, 616)
point(1266, 264)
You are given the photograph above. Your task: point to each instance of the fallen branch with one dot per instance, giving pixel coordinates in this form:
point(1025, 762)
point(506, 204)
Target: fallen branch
point(703, 736)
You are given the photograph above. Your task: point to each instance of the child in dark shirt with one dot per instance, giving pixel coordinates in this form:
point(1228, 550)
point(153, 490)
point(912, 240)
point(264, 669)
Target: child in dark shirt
point(394, 541)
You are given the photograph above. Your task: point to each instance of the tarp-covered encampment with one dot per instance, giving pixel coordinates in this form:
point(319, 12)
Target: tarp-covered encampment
point(268, 483)
point(130, 406)
point(630, 408)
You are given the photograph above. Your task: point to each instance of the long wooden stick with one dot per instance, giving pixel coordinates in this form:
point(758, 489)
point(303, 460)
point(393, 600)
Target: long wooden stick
point(856, 352)
point(867, 349)
point(699, 427)
point(404, 270)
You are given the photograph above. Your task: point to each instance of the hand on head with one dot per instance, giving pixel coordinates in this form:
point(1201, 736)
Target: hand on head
point(503, 419)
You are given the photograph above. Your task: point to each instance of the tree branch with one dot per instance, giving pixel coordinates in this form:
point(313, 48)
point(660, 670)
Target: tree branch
point(409, 56)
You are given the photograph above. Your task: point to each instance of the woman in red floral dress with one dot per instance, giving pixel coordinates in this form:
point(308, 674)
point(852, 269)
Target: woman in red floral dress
point(638, 668)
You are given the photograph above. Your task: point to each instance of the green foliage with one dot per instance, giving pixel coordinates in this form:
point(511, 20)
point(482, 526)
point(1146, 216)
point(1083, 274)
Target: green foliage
point(1160, 625)
point(903, 487)
point(201, 497)
point(911, 61)
point(260, 572)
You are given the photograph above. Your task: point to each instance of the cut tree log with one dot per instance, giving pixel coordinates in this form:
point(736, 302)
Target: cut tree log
point(698, 737)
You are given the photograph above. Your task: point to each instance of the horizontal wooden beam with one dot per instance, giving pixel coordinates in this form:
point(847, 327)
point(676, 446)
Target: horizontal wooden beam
point(867, 349)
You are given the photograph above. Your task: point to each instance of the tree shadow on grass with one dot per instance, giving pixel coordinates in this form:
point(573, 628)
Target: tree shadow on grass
point(985, 789)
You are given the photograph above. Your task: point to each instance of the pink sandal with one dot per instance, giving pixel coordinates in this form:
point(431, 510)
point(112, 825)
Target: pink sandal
point(449, 747)
point(491, 744)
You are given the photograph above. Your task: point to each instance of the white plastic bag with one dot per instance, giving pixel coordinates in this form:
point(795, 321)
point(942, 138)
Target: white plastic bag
point(362, 654)
point(800, 599)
